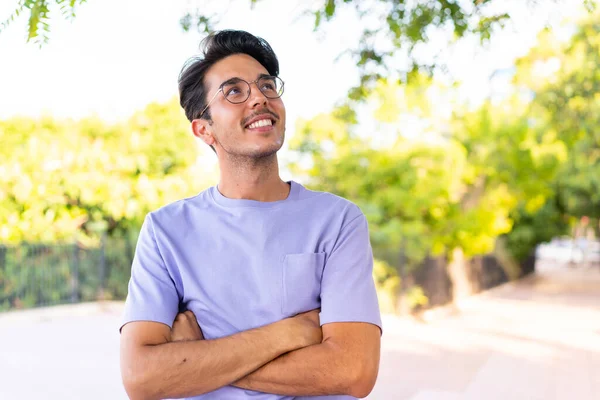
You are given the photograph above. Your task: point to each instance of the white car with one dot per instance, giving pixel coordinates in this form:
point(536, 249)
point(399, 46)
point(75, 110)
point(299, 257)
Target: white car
point(566, 250)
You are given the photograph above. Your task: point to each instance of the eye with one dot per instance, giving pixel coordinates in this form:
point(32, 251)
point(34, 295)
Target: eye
point(233, 91)
point(269, 86)
point(236, 92)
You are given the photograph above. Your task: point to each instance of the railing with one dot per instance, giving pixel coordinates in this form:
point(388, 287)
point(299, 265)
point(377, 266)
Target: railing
point(33, 275)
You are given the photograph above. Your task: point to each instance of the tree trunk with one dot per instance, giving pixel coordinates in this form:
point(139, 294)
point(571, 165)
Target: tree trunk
point(457, 270)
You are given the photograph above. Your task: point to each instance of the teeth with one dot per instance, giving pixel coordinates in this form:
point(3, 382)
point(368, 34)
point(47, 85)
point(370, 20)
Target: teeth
point(259, 123)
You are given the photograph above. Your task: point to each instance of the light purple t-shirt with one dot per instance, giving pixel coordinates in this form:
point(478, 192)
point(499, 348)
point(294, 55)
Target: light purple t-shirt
point(242, 264)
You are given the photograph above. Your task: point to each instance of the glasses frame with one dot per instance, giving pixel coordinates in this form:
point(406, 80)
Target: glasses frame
point(248, 93)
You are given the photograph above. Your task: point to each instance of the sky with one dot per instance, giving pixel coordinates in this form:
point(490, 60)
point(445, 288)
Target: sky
point(117, 56)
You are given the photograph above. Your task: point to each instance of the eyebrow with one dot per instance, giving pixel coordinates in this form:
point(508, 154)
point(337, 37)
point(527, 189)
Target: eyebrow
point(264, 76)
point(236, 79)
point(231, 80)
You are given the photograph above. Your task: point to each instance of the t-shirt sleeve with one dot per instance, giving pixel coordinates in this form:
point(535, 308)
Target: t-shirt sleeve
point(152, 294)
point(347, 287)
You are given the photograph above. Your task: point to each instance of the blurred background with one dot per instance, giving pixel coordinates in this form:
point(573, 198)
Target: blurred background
point(467, 131)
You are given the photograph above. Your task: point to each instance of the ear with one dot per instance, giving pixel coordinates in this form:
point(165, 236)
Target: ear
point(201, 129)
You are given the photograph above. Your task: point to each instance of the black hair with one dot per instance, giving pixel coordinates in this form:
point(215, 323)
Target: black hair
point(215, 47)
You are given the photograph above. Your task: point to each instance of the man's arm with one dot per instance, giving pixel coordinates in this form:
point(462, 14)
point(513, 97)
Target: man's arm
point(346, 362)
point(153, 367)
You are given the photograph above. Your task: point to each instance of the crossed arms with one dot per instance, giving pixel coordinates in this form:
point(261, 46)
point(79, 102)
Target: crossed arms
point(294, 356)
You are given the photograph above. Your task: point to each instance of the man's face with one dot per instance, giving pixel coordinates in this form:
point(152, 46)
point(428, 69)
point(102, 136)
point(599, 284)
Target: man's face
point(234, 126)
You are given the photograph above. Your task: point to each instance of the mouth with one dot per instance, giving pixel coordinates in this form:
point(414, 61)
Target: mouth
point(261, 123)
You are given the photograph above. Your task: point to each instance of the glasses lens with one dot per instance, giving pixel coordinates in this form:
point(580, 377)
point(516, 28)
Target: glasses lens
point(236, 92)
point(271, 86)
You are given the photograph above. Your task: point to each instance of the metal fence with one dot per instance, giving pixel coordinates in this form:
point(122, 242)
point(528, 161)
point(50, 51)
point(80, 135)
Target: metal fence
point(33, 275)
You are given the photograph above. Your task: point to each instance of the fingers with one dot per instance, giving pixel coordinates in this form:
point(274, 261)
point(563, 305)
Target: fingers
point(186, 314)
point(186, 318)
point(186, 327)
point(191, 317)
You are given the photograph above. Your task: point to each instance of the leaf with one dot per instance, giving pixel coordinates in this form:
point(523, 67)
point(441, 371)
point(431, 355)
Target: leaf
point(186, 22)
point(317, 19)
point(329, 9)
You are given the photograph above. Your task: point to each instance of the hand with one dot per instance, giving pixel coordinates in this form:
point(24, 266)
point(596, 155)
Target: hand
point(185, 327)
point(307, 328)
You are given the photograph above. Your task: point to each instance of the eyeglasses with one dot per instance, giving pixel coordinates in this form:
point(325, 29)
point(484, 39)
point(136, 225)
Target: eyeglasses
point(237, 90)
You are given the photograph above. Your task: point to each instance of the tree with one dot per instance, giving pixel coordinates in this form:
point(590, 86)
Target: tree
point(566, 106)
point(451, 190)
point(506, 149)
point(73, 193)
point(39, 15)
point(59, 178)
point(407, 26)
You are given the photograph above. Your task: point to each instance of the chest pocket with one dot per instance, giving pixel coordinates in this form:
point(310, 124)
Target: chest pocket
point(302, 282)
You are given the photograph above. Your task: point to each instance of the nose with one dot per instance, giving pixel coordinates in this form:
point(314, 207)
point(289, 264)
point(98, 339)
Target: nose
point(256, 96)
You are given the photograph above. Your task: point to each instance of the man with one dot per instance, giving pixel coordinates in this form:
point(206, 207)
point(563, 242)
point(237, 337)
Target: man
point(274, 280)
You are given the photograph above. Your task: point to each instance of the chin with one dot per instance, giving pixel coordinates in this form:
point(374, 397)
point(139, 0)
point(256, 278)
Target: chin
point(264, 150)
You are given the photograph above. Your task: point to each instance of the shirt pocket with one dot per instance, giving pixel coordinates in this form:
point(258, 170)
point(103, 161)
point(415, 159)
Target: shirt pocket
point(302, 282)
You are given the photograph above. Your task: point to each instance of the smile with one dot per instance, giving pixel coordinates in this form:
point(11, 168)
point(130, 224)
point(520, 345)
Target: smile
point(260, 123)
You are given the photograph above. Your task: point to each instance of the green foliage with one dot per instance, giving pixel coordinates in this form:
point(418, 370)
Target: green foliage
point(64, 183)
point(38, 24)
point(515, 170)
point(407, 25)
point(464, 182)
point(33, 275)
point(25, 279)
point(590, 5)
point(458, 189)
point(566, 107)
point(387, 283)
point(416, 298)
point(533, 228)
point(201, 22)
point(390, 28)
point(58, 178)
point(561, 178)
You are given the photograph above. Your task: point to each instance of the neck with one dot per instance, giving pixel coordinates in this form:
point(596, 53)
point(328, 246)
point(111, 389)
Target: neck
point(252, 179)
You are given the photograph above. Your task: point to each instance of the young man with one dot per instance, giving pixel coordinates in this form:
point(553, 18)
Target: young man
point(256, 288)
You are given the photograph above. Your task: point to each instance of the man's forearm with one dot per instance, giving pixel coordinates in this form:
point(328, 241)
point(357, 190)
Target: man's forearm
point(179, 369)
point(320, 369)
